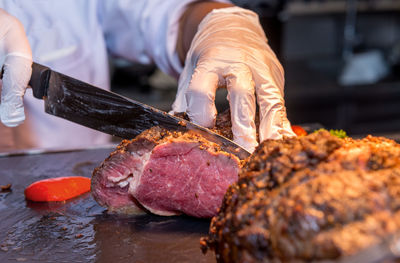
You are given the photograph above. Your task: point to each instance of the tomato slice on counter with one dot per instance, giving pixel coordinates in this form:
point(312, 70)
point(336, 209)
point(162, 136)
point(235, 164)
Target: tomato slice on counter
point(298, 130)
point(57, 189)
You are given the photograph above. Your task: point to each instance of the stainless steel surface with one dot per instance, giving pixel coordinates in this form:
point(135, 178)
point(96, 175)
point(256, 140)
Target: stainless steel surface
point(80, 230)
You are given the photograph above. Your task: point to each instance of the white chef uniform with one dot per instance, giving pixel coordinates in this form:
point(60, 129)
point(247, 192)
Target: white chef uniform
point(72, 37)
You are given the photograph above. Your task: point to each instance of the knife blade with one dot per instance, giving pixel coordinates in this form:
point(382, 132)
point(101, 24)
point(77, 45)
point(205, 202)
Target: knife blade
point(109, 112)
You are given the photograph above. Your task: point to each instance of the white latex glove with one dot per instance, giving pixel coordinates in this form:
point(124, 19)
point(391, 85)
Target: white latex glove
point(230, 49)
point(16, 61)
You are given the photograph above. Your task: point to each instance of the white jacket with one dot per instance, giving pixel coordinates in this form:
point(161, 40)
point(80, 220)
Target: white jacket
point(72, 37)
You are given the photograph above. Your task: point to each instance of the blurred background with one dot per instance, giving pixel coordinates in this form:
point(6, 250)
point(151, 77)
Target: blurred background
point(341, 60)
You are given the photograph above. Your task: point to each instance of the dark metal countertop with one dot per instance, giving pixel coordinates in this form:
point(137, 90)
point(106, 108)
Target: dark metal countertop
point(79, 230)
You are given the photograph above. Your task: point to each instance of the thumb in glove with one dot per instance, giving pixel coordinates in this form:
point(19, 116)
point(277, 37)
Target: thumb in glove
point(16, 65)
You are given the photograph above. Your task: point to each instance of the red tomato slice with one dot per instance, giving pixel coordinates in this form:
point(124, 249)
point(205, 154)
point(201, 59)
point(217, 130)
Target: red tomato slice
point(57, 189)
point(298, 130)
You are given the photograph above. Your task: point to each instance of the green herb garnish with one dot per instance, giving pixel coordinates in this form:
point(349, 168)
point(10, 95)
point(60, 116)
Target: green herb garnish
point(338, 133)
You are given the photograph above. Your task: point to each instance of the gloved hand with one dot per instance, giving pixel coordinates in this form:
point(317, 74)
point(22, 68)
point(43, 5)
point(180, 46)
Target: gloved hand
point(230, 49)
point(16, 62)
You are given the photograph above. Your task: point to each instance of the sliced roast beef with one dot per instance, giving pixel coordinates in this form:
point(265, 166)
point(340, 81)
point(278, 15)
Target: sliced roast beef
point(166, 173)
point(310, 198)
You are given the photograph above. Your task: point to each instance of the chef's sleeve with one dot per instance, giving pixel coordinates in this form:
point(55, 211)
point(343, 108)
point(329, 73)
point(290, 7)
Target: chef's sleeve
point(144, 31)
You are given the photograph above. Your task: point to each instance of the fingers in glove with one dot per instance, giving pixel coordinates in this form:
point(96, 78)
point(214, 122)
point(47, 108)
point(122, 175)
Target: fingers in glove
point(17, 73)
point(180, 104)
point(241, 96)
point(273, 120)
point(200, 97)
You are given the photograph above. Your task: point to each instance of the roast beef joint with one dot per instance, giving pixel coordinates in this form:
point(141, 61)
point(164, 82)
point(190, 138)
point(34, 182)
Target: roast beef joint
point(309, 198)
point(165, 173)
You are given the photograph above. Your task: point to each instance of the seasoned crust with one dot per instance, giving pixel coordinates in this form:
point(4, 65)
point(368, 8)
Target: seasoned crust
point(223, 123)
point(309, 198)
point(160, 135)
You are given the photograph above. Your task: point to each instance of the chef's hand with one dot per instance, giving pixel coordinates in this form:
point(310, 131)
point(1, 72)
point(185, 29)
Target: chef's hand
point(230, 49)
point(16, 62)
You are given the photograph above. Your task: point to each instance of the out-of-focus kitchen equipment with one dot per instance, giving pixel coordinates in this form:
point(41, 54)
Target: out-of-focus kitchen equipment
point(364, 68)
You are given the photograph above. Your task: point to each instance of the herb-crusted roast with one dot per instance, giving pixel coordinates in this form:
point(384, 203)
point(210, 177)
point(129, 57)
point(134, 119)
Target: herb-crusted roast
point(309, 198)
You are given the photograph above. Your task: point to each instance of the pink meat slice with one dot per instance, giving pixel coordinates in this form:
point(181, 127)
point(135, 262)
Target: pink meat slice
point(181, 177)
point(166, 173)
point(110, 181)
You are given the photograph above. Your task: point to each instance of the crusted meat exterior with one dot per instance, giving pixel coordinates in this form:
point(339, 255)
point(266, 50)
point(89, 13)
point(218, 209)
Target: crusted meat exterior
point(223, 123)
point(310, 198)
point(166, 173)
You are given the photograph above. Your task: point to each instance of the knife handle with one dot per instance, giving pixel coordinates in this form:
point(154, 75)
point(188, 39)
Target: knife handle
point(39, 80)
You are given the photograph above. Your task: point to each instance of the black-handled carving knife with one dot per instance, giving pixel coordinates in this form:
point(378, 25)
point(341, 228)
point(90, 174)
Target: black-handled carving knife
point(109, 112)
